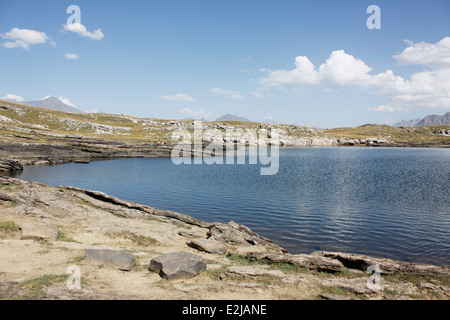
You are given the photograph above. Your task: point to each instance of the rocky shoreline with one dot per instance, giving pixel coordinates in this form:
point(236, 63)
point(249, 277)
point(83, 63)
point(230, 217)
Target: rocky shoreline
point(126, 250)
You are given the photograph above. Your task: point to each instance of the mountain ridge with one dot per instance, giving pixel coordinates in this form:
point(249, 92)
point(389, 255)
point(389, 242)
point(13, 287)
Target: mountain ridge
point(430, 120)
point(52, 103)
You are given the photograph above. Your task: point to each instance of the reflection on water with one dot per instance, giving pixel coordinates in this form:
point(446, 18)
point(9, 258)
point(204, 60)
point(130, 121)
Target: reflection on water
point(387, 202)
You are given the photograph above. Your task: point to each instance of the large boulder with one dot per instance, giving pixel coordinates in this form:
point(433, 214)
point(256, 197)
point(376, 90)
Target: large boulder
point(113, 258)
point(37, 231)
point(178, 265)
point(207, 245)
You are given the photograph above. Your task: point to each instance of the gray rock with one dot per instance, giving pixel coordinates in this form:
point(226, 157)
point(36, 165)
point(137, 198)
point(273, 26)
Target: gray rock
point(239, 235)
point(207, 245)
point(113, 258)
point(191, 233)
point(178, 265)
point(37, 232)
point(254, 271)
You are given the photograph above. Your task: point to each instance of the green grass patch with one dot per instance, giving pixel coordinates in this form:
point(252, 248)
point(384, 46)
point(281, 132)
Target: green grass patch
point(8, 229)
point(215, 274)
point(35, 286)
point(62, 237)
point(416, 279)
point(138, 240)
point(245, 260)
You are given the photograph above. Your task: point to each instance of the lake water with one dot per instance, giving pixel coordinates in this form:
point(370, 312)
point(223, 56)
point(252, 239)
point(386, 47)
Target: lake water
point(385, 202)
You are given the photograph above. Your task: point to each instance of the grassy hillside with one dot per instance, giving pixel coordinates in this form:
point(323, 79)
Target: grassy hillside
point(39, 125)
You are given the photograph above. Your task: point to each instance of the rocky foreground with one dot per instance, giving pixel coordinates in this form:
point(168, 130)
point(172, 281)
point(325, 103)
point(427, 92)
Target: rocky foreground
point(68, 243)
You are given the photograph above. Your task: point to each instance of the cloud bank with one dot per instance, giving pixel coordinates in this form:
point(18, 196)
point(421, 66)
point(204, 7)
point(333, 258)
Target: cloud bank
point(428, 89)
point(231, 94)
point(178, 97)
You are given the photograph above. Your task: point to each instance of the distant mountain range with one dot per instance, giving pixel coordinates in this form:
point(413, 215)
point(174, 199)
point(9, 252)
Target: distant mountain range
point(430, 120)
point(49, 103)
point(232, 117)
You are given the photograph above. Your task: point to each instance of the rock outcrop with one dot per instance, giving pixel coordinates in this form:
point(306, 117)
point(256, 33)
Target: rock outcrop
point(387, 266)
point(313, 262)
point(97, 232)
point(234, 235)
point(8, 165)
point(38, 231)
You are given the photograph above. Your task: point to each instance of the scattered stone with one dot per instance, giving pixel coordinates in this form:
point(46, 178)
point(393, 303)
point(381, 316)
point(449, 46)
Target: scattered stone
point(207, 245)
point(191, 233)
point(178, 265)
point(113, 258)
point(37, 231)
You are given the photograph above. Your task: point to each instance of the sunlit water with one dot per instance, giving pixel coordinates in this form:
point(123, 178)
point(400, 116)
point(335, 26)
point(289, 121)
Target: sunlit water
point(386, 202)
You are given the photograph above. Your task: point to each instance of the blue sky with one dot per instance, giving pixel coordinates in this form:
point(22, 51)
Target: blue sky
point(178, 59)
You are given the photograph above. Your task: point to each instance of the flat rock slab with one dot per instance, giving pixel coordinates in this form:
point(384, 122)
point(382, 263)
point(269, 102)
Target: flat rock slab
point(207, 245)
point(178, 265)
point(310, 261)
point(113, 258)
point(251, 249)
point(254, 271)
point(37, 231)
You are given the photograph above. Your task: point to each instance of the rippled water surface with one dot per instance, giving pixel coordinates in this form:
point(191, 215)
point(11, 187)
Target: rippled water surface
point(387, 202)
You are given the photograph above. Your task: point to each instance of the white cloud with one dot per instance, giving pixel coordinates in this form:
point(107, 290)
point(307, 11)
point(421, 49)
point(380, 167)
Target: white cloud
point(383, 108)
point(66, 101)
point(11, 96)
point(81, 30)
point(303, 74)
point(71, 56)
point(231, 94)
point(428, 89)
point(344, 69)
point(91, 111)
point(423, 53)
point(200, 113)
point(178, 97)
point(23, 38)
